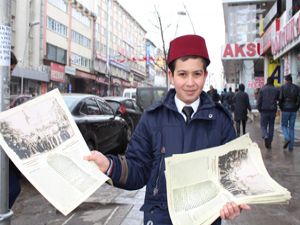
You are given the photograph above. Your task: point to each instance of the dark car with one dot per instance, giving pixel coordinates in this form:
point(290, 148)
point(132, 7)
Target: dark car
point(100, 127)
point(127, 109)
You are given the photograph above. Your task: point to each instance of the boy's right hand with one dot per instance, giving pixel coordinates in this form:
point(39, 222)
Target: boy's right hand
point(101, 160)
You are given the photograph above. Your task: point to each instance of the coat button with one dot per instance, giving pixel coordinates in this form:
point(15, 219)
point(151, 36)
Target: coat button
point(210, 116)
point(163, 150)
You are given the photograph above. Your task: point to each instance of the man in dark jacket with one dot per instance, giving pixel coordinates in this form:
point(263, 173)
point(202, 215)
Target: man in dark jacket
point(186, 120)
point(267, 106)
point(213, 93)
point(241, 107)
point(289, 103)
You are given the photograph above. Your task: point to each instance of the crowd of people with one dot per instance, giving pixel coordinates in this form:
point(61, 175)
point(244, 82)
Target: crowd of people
point(269, 99)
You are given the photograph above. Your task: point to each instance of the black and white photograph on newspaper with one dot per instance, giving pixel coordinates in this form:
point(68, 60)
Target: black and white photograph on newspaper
point(43, 141)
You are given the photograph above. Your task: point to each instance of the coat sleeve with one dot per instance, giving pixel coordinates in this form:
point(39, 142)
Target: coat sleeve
point(132, 170)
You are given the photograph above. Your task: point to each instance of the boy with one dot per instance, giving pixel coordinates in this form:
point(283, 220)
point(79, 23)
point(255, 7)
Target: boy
point(186, 120)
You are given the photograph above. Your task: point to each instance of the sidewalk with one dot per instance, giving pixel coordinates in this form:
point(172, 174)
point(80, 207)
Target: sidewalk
point(112, 206)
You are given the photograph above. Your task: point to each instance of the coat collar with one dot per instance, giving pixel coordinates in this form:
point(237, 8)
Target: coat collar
point(206, 108)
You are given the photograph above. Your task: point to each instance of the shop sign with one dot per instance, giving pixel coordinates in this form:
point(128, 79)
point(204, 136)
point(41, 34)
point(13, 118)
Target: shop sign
point(257, 82)
point(101, 80)
point(274, 71)
point(86, 75)
point(70, 70)
point(57, 72)
point(266, 39)
point(116, 81)
point(249, 50)
point(287, 37)
point(126, 84)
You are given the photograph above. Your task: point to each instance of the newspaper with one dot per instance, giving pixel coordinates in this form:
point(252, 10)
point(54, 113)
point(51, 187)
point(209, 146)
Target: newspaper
point(43, 141)
point(200, 183)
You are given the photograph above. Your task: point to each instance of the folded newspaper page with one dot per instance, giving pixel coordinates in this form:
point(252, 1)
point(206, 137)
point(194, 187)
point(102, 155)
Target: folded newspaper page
point(43, 141)
point(200, 183)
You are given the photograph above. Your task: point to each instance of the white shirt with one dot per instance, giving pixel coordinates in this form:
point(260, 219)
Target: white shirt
point(180, 104)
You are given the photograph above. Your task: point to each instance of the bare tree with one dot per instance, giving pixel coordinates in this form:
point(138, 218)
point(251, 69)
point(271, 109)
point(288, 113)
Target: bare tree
point(165, 68)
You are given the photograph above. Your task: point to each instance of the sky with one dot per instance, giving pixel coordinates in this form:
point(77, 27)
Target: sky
point(206, 18)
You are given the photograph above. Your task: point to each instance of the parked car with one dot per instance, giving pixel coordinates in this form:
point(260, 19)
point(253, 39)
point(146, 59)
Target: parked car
point(129, 93)
point(100, 127)
point(16, 100)
point(127, 109)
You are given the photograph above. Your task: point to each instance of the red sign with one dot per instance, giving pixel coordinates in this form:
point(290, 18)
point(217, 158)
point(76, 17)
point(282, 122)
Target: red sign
point(57, 72)
point(258, 82)
point(83, 74)
point(249, 50)
point(287, 37)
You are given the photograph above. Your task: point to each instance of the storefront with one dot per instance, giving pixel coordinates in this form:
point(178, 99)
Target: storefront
point(58, 79)
point(83, 82)
point(34, 80)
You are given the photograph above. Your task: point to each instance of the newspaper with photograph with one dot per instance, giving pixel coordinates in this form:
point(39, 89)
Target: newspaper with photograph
point(43, 141)
point(200, 183)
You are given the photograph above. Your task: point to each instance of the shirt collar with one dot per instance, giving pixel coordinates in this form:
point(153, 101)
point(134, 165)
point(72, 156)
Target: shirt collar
point(180, 104)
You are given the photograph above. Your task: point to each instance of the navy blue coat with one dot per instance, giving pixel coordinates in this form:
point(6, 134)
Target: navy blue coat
point(161, 133)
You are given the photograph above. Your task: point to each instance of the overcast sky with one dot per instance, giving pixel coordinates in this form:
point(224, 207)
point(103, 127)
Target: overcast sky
point(206, 16)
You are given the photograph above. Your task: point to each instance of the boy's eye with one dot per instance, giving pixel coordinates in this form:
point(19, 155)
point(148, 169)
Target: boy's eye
point(181, 74)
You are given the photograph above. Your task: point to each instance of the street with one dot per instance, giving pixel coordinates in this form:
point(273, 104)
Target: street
point(113, 206)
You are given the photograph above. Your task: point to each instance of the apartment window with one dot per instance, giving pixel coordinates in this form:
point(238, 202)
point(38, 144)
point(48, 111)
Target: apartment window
point(61, 4)
point(80, 60)
point(80, 39)
point(57, 27)
point(56, 54)
point(81, 18)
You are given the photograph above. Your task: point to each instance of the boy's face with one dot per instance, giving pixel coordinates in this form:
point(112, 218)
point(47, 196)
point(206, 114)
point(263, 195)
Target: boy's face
point(188, 79)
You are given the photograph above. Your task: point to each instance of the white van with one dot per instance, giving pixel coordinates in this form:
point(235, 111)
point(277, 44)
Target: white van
point(129, 93)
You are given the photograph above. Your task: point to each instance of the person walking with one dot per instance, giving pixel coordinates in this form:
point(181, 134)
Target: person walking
point(213, 93)
point(267, 106)
point(187, 120)
point(241, 107)
point(289, 103)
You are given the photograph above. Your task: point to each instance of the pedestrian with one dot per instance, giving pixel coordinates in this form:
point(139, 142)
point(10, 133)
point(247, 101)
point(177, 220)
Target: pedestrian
point(213, 93)
point(230, 99)
point(289, 103)
point(241, 108)
point(186, 120)
point(267, 106)
point(14, 173)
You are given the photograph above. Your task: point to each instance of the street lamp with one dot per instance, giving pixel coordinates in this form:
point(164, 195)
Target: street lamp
point(31, 24)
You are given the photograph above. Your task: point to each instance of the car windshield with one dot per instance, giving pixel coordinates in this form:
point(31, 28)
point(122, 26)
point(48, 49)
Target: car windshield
point(70, 101)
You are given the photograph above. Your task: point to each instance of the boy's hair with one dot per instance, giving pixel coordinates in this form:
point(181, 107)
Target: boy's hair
point(184, 58)
point(13, 59)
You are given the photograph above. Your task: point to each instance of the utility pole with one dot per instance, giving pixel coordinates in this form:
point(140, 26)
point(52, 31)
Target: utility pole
point(5, 49)
point(108, 7)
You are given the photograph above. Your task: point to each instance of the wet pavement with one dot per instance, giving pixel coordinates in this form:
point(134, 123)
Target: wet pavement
point(112, 206)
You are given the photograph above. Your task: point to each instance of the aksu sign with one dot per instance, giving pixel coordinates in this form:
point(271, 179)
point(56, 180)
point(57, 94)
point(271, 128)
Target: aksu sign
point(249, 50)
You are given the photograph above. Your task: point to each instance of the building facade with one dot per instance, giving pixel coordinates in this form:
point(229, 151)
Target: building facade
point(241, 54)
point(77, 46)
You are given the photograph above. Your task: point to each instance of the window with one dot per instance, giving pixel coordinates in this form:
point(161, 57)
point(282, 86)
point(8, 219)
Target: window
point(90, 107)
point(61, 4)
point(106, 109)
point(56, 54)
point(80, 60)
point(80, 39)
point(57, 27)
point(81, 18)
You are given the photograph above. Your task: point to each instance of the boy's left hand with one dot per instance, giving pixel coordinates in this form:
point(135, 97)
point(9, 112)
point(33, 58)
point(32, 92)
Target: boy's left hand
point(231, 210)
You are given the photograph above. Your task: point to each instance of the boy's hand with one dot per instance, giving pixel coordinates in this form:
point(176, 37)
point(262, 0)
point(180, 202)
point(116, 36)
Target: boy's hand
point(231, 210)
point(101, 160)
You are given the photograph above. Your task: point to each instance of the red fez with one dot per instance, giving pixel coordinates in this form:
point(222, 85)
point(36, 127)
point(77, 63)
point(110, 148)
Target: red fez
point(188, 45)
